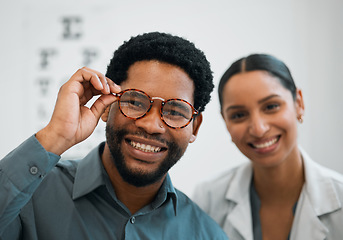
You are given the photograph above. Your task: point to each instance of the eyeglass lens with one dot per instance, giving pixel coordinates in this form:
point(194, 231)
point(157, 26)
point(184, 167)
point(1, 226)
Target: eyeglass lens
point(175, 113)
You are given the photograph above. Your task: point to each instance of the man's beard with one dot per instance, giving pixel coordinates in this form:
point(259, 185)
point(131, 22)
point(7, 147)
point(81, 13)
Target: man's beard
point(138, 178)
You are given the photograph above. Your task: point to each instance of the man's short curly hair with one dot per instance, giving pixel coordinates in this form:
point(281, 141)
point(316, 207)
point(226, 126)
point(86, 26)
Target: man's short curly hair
point(170, 49)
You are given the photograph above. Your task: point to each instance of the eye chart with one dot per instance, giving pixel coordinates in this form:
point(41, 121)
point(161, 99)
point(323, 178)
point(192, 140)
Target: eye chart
point(59, 42)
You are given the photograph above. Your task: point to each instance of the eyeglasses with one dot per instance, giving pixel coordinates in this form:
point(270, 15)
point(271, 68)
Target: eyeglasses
point(176, 113)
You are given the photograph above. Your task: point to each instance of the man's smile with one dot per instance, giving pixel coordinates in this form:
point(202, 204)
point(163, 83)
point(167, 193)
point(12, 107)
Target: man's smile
point(144, 147)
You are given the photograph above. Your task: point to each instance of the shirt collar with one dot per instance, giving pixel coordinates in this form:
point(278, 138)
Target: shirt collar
point(89, 173)
point(167, 190)
point(89, 176)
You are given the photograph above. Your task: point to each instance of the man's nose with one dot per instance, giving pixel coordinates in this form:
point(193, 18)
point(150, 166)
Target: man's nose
point(152, 122)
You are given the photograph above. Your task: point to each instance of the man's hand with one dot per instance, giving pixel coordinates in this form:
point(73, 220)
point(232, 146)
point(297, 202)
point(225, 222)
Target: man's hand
point(71, 121)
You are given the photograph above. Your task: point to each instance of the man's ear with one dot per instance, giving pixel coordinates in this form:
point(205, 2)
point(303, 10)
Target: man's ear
point(196, 125)
point(104, 116)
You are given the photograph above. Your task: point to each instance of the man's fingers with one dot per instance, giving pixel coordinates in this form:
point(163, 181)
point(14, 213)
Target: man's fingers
point(97, 79)
point(101, 104)
point(106, 86)
point(114, 88)
point(92, 83)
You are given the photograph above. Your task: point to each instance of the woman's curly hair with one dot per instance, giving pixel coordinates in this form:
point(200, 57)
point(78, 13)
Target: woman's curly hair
point(170, 49)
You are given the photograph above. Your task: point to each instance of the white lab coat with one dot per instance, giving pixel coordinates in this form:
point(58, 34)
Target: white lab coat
point(319, 212)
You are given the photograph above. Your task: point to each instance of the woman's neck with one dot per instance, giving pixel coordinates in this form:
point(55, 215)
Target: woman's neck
point(283, 182)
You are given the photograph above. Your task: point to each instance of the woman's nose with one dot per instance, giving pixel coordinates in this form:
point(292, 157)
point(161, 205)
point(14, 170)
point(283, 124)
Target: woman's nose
point(258, 126)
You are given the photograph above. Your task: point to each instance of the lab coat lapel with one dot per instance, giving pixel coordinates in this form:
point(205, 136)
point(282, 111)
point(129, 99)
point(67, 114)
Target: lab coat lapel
point(318, 198)
point(306, 224)
point(238, 221)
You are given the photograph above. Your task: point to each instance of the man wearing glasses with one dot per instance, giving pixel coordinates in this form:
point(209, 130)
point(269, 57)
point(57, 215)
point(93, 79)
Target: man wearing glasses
point(151, 99)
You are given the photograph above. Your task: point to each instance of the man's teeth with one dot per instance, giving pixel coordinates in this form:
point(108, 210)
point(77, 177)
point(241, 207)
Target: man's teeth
point(266, 144)
point(145, 147)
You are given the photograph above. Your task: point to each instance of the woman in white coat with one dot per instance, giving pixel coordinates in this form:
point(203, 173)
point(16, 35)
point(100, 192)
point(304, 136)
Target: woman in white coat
point(280, 193)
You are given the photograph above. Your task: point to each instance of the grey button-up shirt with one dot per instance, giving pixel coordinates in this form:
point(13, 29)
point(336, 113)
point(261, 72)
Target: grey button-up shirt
point(75, 200)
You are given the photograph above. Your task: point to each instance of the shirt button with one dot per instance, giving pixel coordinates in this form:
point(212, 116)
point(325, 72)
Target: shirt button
point(132, 220)
point(33, 170)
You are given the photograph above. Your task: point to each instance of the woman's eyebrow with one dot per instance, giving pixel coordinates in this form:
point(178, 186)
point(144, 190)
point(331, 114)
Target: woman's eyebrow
point(233, 107)
point(267, 98)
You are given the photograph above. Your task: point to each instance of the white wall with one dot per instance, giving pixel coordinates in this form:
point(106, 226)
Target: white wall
point(306, 34)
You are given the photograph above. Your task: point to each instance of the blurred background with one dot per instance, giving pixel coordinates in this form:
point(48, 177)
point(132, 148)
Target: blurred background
point(44, 42)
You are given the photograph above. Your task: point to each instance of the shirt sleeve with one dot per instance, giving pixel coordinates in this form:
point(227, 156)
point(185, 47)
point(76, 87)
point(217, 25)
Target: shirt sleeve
point(21, 172)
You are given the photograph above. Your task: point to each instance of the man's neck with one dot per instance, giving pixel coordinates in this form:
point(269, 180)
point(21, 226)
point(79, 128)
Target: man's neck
point(134, 198)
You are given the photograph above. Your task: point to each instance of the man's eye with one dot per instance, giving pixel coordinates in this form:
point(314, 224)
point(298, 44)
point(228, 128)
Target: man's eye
point(175, 114)
point(133, 104)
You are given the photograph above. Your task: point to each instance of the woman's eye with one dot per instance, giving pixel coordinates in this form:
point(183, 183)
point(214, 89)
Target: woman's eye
point(237, 116)
point(271, 107)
